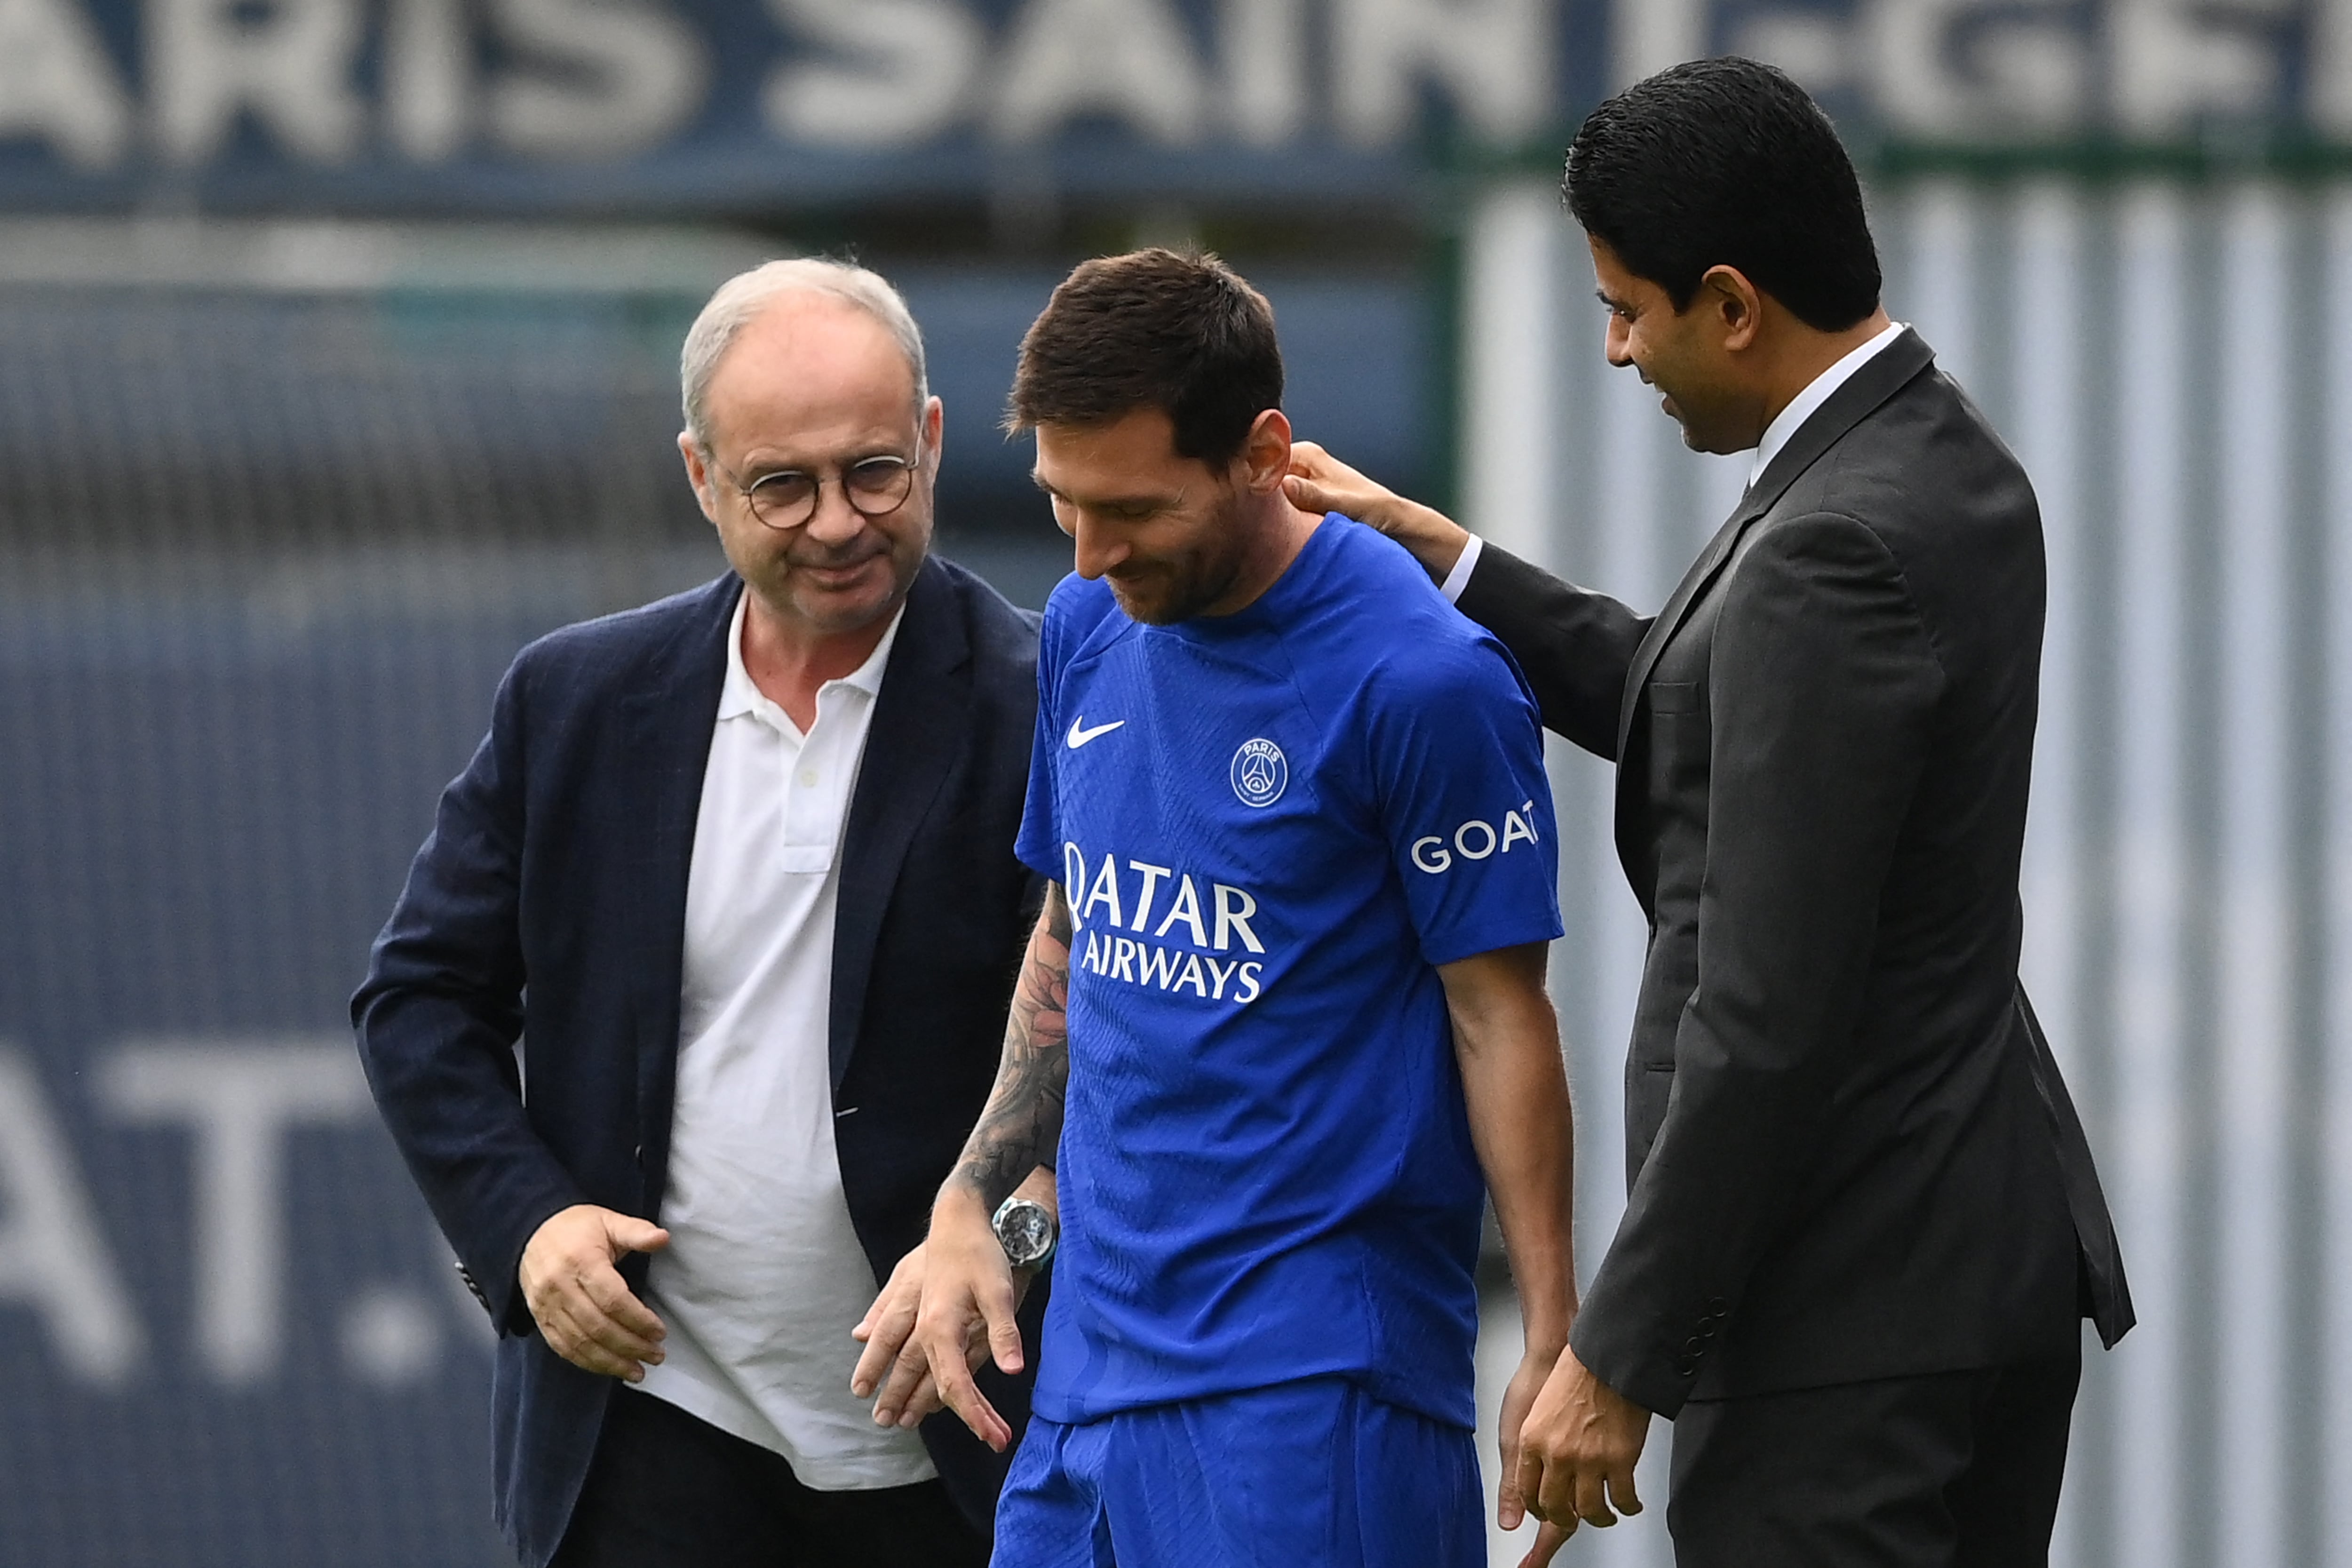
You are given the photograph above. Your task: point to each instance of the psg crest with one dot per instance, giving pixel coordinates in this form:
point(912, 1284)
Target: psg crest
point(1259, 772)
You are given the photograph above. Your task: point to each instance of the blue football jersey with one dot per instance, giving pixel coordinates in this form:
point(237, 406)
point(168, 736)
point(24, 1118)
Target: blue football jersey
point(1271, 827)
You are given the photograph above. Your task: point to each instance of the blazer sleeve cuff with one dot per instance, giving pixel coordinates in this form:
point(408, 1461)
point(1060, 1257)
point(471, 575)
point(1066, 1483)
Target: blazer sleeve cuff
point(494, 1276)
point(1655, 1376)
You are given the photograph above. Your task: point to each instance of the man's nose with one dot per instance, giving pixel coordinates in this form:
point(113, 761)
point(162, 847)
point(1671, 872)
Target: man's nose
point(834, 521)
point(1621, 343)
point(1096, 550)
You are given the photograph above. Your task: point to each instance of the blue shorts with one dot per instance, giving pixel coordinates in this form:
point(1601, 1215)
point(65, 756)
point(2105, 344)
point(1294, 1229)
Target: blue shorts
point(1315, 1474)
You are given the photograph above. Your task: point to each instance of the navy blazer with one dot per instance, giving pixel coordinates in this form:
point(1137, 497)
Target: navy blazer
point(549, 906)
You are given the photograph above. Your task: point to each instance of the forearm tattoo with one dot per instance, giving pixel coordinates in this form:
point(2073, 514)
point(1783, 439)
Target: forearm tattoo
point(1023, 1123)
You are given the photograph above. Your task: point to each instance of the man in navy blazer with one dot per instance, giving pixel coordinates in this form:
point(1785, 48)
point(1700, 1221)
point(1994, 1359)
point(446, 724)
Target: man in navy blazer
point(736, 872)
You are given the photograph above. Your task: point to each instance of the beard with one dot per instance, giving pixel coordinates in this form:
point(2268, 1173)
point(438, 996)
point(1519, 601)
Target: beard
point(1162, 593)
point(1165, 595)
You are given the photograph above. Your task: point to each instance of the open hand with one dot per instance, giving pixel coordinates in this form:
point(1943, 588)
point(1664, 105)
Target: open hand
point(949, 1306)
point(885, 1330)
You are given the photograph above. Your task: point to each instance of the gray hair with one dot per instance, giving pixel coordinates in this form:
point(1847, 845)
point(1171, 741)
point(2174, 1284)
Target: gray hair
point(741, 298)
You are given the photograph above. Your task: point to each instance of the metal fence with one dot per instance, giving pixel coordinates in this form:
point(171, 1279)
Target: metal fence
point(2172, 360)
point(261, 559)
point(275, 512)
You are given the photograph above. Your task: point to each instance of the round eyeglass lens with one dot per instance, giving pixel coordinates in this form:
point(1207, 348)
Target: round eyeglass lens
point(878, 484)
point(875, 487)
point(783, 500)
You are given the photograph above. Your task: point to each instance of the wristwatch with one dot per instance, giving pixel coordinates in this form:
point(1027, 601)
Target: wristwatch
point(1025, 1229)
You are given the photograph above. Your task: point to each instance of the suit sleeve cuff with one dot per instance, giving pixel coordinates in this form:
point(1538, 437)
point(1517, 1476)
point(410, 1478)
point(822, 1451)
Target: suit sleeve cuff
point(1459, 578)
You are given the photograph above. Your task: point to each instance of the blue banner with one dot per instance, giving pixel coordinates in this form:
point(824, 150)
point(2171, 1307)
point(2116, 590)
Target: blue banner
point(640, 106)
point(715, 104)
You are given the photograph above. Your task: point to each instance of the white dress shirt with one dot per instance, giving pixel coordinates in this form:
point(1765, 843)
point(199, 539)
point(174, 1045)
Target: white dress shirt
point(764, 1276)
point(1784, 425)
point(1802, 407)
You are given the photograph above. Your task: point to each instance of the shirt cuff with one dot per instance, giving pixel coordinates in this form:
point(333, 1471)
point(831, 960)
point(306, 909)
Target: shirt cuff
point(1459, 578)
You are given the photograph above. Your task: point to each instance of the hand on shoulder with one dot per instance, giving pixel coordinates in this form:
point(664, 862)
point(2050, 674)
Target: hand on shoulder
point(1319, 482)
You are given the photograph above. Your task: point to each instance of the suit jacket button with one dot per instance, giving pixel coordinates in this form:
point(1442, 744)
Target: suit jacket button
point(1694, 1348)
point(1686, 1367)
point(1719, 1307)
point(1708, 1328)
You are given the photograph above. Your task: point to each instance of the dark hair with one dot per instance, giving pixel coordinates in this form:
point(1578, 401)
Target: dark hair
point(1728, 163)
point(1152, 329)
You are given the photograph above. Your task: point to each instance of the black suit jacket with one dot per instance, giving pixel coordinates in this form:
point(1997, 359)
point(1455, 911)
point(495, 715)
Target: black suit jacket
point(1849, 1152)
point(550, 906)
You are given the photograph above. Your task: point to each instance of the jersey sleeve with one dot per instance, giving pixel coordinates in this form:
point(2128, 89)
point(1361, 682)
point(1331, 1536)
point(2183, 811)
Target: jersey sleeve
point(1039, 844)
point(1458, 775)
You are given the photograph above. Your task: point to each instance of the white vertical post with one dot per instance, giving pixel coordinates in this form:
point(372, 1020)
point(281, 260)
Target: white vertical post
point(1940, 286)
point(2046, 294)
point(2335, 1273)
point(1650, 35)
point(2256, 926)
point(2044, 286)
point(2150, 377)
point(1510, 402)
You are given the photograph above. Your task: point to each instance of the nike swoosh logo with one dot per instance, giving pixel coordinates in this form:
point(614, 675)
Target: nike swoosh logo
point(1080, 734)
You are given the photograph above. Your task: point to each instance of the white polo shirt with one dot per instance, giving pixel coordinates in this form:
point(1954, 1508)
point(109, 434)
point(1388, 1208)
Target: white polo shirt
point(764, 1276)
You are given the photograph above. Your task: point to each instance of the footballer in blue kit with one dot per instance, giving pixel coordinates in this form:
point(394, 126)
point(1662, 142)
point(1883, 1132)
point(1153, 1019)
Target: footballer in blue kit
point(1271, 827)
point(1282, 1028)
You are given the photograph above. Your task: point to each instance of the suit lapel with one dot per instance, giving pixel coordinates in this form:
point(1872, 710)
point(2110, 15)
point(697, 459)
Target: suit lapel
point(1893, 369)
point(920, 720)
point(1678, 608)
point(670, 714)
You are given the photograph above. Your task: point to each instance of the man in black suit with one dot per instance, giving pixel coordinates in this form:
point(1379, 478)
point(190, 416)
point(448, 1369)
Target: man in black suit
point(737, 869)
point(1864, 1221)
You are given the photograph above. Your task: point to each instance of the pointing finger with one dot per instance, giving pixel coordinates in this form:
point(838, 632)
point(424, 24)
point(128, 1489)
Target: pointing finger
point(963, 1395)
point(1549, 1539)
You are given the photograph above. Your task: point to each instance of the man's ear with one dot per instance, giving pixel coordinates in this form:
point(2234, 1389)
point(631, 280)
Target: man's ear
point(1738, 305)
point(698, 474)
point(1266, 453)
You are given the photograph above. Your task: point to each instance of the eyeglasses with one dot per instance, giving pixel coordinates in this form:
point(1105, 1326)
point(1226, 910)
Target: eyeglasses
point(874, 487)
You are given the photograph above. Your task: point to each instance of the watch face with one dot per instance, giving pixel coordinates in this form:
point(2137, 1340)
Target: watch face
point(1027, 1232)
